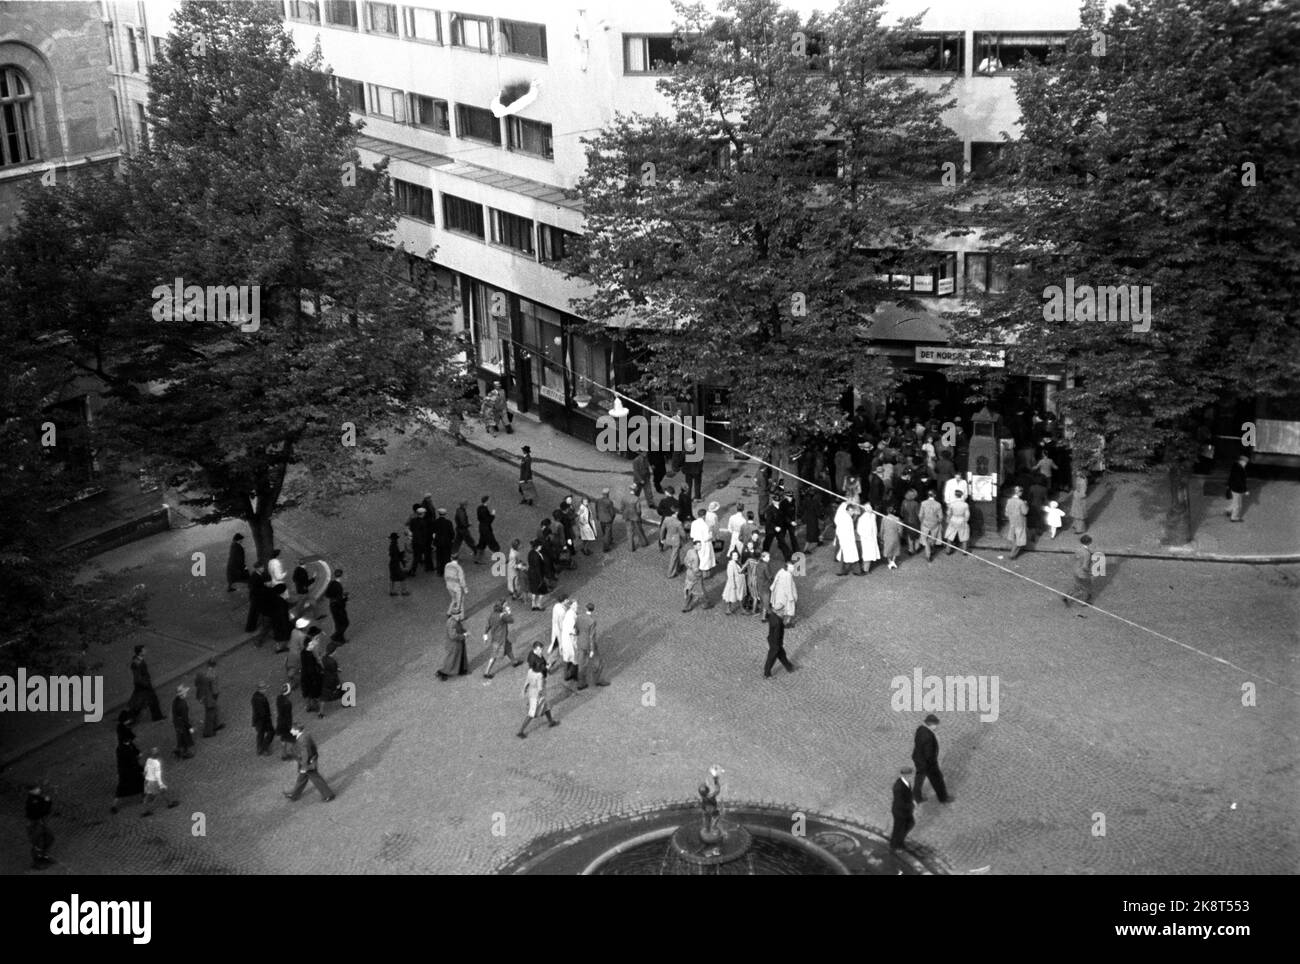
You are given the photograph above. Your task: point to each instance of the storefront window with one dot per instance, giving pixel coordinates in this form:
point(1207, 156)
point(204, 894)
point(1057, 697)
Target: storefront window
point(591, 365)
point(489, 324)
point(543, 338)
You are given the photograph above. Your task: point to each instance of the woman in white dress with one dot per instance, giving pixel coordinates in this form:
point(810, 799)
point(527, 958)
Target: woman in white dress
point(846, 542)
point(868, 541)
point(733, 594)
point(702, 536)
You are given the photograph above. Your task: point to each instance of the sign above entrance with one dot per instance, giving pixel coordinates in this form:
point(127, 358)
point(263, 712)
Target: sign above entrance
point(961, 356)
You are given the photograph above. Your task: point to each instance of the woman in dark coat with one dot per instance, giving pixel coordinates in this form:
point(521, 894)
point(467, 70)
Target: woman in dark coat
point(130, 772)
point(396, 566)
point(312, 681)
point(455, 663)
point(331, 686)
point(544, 547)
point(277, 602)
point(284, 721)
point(537, 587)
point(236, 570)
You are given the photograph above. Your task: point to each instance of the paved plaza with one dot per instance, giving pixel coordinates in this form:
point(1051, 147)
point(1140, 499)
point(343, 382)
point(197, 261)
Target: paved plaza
point(1097, 721)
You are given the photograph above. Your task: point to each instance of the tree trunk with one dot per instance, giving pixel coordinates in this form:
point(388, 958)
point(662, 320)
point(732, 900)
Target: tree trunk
point(1178, 521)
point(259, 523)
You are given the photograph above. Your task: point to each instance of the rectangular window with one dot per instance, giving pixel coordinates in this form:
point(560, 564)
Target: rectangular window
point(423, 25)
point(927, 54)
point(1000, 52)
point(553, 242)
point(590, 361)
point(461, 215)
point(351, 92)
point(341, 13)
point(385, 102)
point(430, 113)
point(523, 39)
point(306, 11)
point(382, 18)
point(986, 158)
point(488, 330)
point(108, 35)
point(986, 274)
point(530, 137)
point(650, 54)
point(512, 231)
point(130, 46)
point(477, 124)
point(473, 33)
point(543, 335)
point(157, 49)
point(141, 125)
point(413, 200)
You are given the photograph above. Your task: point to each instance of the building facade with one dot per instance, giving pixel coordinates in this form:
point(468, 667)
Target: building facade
point(480, 110)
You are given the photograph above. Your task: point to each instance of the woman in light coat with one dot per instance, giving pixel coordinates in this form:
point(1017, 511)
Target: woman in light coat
point(733, 594)
point(586, 526)
point(846, 543)
point(868, 545)
point(1017, 531)
point(784, 593)
point(702, 536)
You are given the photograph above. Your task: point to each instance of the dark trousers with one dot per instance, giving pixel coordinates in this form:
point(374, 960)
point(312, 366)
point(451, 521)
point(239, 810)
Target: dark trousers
point(463, 537)
point(636, 534)
point(1082, 589)
point(264, 740)
point(317, 781)
point(936, 781)
point(184, 742)
point(902, 825)
point(442, 555)
point(591, 670)
point(694, 484)
point(782, 541)
point(142, 698)
point(773, 654)
point(211, 718)
point(659, 470)
point(607, 535)
point(341, 621)
point(422, 554)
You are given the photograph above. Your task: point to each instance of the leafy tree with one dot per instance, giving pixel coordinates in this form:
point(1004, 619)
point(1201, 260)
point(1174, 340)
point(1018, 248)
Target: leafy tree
point(1167, 162)
point(746, 230)
point(251, 181)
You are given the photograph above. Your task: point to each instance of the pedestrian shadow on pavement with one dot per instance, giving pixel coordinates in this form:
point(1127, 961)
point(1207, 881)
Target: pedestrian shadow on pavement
point(340, 780)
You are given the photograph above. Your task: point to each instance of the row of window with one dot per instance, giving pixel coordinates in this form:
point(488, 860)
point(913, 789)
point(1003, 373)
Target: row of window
point(936, 276)
point(135, 43)
point(515, 38)
point(547, 244)
point(435, 114)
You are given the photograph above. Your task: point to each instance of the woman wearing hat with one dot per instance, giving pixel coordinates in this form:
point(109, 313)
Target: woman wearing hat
point(733, 594)
point(535, 690)
point(586, 526)
point(396, 566)
point(711, 519)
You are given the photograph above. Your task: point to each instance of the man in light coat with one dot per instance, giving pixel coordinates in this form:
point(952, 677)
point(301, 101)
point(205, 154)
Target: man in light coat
point(569, 640)
point(931, 524)
point(453, 575)
point(784, 593)
point(846, 541)
point(702, 536)
point(868, 542)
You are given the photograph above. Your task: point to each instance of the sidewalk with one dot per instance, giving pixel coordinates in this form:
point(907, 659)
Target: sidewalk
point(1126, 512)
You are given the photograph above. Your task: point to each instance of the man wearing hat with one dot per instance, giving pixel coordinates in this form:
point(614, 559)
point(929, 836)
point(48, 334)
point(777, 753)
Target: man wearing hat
point(421, 527)
point(631, 509)
point(444, 536)
point(263, 725)
point(208, 691)
point(527, 490)
point(903, 809)
point(308, 757)
point(181, 722)
point(605, 512)
point(925, 754)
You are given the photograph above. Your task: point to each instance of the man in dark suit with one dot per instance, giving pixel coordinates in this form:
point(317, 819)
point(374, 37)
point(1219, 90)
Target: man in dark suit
point(605, 513)
point(421, 527)
point(776, 644)
point(444, 536)
point(304, 748)
point(181, 723)
point(1237, 489)
point(337, 597)
point(925, 754)
point(263, 725)
point(903, 808)
point(142, 691)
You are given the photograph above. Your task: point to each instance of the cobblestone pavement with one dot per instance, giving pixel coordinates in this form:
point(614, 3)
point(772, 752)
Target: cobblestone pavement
point(1095, 717)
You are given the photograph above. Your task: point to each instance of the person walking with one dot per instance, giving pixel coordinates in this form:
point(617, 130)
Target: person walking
point(588, 652)
point(674, 536)
point(308, 766)
point(497, 637)
point(784, 593)
point(776, 644)
point(312, 678)
point(891, 537)
point(182, 725)
point(154, 787)
point(586, 526)
point(396, 567)
point(667, 507)
point(903, 808)
point(605, 513)
point(1082, 572)
point(537, 587)
point(516, 569)
point(142, 692)
point(925, 755)
point(733, 593)
point(38, 806)
point(527, 490)
point(693, 476)
point(453, 575)
point(1237, 490)
point(277, 612)
point(236, 567)
point(909, 513)
point(931, 519)
point(868, 546)
point(631, 510)
point(735, 526)
point(694, 590)
point(641, 476)
point(338, 603)
point(535, 690)
point(764, 575)
point(208, 692)
point(463, 535)
point(846, 539)
point(455, 663)
point(487, 539)
point(810, 511)
point(421, 527)
point(302, 581)
point(702, 536)
point(1017, 534)
point(258, 580)
point(444, 537)
point(568, 640)
point(284, 721)
point(1054, 517)
point(263, 725)
point(130, 774)
point(276, 568)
